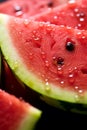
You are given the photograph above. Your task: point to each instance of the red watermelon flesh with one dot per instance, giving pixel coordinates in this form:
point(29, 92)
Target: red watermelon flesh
point(55, 55)
point(72, 14)
point(54, 49)
point(20, 8)
point(15, 113)
point(23, 8)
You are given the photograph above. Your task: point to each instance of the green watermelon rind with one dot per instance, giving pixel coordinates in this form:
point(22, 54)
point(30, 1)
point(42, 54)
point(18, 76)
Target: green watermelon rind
point(66, 106)
point(15, 62)
point(31, 119)
point(19, 114)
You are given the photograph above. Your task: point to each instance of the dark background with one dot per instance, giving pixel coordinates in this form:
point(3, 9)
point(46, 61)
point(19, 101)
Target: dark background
point(2, 0)
point(56, 119)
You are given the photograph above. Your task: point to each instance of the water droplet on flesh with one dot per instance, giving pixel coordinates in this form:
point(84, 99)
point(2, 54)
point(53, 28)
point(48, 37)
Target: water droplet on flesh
point(47, 87)
point(81, 19)
point(49, 27)
point(71, 78)
point(80, 15)
point(36, 38)
point(59, 71)
point(62, 82)
point(30, 55)
point(78, 26)
point(17, 8)
point(26, 22)
point(47, 63)
point(19, 13)
point(79, 91)
point(71, 1)
point(41, 24)
point(43, 54)
point(83, 37)
point(79, 33)
point(55, 17)
point(77, 98)
point(76, 87)
point(76, 10)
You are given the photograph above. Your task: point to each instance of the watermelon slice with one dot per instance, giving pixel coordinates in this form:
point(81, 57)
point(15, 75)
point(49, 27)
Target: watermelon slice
point(23, 8)
point(50, 59)
point(71, 14)
point(19, 8)
point(16, 114)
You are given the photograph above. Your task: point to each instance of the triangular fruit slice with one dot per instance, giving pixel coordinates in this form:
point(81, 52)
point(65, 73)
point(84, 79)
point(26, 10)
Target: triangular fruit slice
point(16, 114)
point(72, 14)
point(51, 59)
point(22, 8)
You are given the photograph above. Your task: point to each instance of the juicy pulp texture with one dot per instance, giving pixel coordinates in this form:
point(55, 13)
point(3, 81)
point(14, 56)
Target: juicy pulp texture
point(25, 9)
point(72, 14)
point(51, 52)
point(16, 114)
point(40, 56)
point(22, 8)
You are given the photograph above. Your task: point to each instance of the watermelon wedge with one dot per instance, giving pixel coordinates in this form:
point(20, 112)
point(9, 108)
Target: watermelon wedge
point(16, 114)
point(71, 14)
point(48, 58)
point(20, 8)
point(23, 8)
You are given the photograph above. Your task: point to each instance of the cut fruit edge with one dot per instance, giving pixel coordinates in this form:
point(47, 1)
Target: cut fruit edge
point(26, 119)
point(20, 69)
point(30, 121)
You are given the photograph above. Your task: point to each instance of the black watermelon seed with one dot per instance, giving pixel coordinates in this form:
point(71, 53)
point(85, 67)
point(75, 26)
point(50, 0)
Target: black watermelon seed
point(60, 61)
point(70, 46)
point(50, 4)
